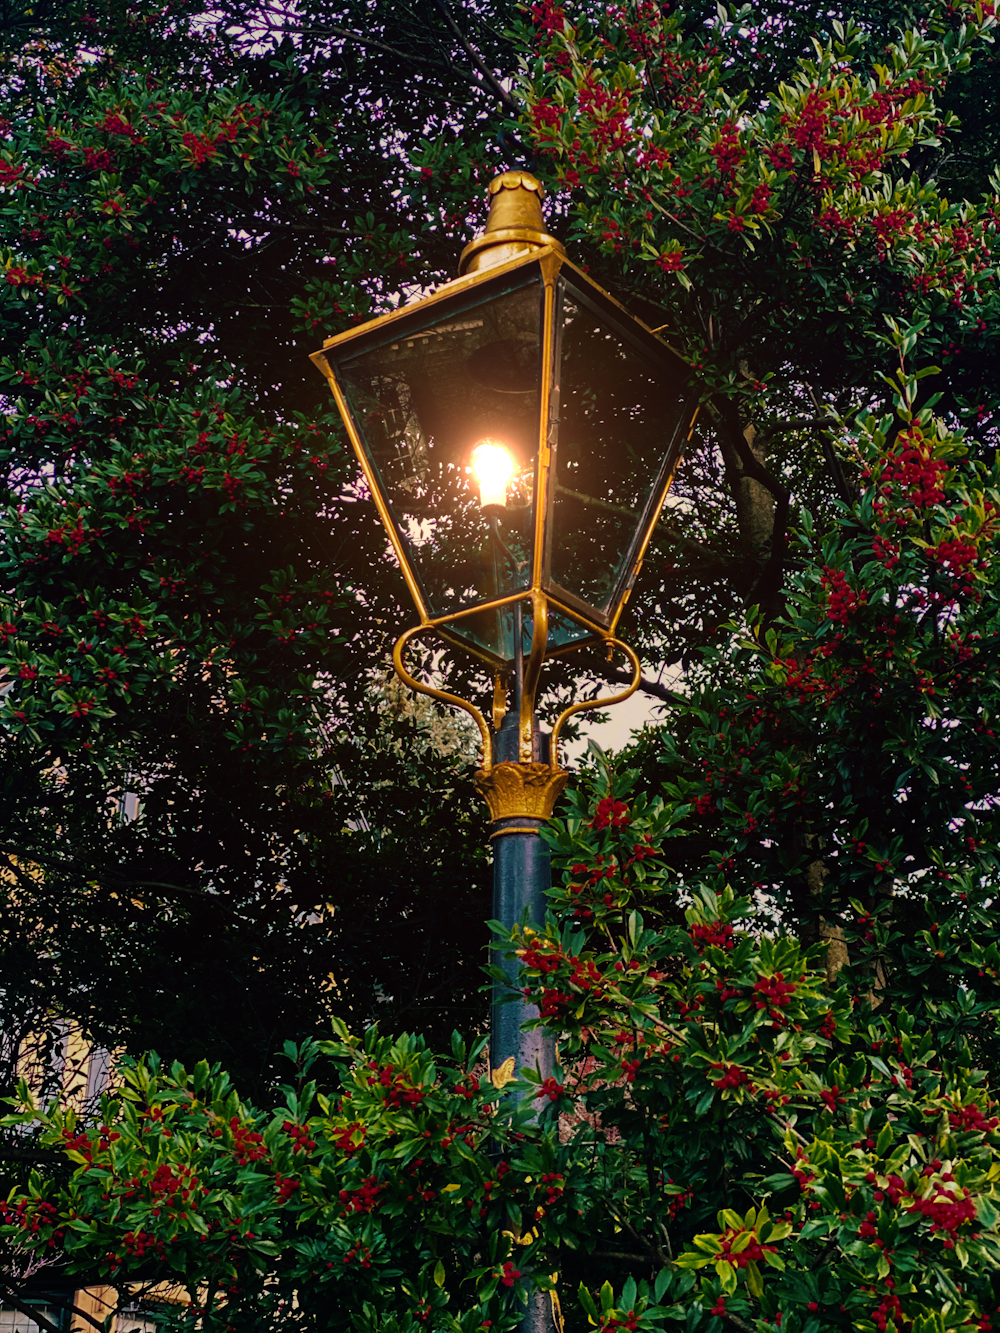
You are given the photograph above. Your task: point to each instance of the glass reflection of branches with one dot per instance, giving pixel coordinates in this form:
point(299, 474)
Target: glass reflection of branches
point(617, 421)
point(426, 402)
point(517, 568)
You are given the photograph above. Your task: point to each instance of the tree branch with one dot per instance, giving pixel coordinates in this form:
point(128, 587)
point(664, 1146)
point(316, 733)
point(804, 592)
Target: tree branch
point(621, 1254)
point(32, 1312)
point(840, 483)
point(75, 1309)
point(795, 423)
point(30, 1155)
point(652, 1248)
point(672, 535)
point(737, 1322)
point(346, 35)
point(650, 687)
point(498, 89)
point(767, 586)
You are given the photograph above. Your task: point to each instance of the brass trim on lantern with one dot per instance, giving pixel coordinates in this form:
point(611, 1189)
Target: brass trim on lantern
point(453, 699)
point(544, 457)
point(521, 791)
point(539, 603)
point(376, 493)
point(518, 239)
point(604, 702)
point(499, 710)
point(515, 240)
point(433, 622)
point(440, 624)
point(647, 536)
point(469, 280)
point(630, 318)
point(532, 674)
point(443, 293)
point(515, 224)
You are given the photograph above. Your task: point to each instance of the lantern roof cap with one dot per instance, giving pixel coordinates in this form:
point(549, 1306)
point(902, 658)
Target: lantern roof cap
point(516, 180)
point(515, 225)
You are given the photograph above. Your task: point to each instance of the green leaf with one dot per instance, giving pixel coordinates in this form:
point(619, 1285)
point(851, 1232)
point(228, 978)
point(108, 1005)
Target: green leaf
point(587, 1301)
point(708, 1242)
point(727, 1276)
point(634, 929)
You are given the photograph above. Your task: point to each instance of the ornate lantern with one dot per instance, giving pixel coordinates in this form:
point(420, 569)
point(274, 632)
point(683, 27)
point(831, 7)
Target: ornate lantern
point(518, 431)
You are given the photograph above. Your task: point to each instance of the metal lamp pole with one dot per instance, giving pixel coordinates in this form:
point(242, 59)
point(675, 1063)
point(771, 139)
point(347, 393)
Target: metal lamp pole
point(521, 876)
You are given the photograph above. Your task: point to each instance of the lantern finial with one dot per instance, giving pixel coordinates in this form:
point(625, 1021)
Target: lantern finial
point(515, 224)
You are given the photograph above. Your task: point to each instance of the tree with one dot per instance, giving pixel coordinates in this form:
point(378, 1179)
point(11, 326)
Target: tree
point(771, 229)
point(643, 106)
point(220, 171)
point(182, 618)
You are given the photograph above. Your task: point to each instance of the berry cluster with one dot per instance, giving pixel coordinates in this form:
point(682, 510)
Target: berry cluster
point(736, 1250)
point(712, 934)
point(774, 994)
point(364, 1199)
point(732, 1076)
point(248, 1144)
point(399, 1089)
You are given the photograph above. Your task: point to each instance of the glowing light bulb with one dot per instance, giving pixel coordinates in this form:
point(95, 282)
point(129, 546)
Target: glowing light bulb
point(492, 467)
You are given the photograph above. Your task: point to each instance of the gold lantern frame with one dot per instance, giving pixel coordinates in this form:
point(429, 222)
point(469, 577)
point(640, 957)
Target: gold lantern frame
point(515, 238)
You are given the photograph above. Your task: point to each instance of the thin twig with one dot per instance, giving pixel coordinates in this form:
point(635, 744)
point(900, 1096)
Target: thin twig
point(477, 59)
point(795, 423)
point(345, 34)
point(621, 1254)
point(652, 1248)
point(737, 1322)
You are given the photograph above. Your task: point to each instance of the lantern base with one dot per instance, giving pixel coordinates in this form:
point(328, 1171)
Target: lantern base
point(521, 791)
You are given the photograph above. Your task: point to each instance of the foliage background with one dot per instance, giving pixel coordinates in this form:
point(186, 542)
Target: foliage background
point(191, 625)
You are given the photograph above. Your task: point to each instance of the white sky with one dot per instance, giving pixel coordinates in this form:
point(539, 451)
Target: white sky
point(623, 719)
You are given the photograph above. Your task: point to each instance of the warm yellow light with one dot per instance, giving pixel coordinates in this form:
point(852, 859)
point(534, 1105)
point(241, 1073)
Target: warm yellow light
point(492, 467)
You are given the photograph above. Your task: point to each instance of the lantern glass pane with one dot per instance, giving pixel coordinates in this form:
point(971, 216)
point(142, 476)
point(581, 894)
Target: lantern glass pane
point(620, 412)
point(466, 377)
point(564, 631)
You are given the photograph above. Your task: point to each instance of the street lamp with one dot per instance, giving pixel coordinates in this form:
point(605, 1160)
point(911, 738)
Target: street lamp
point(518, 431)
